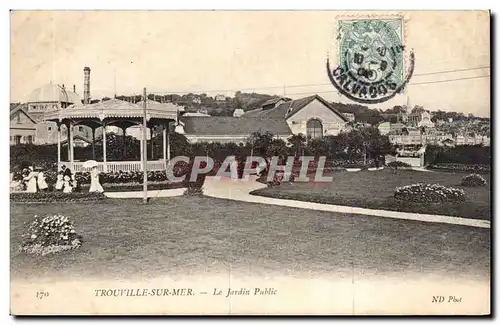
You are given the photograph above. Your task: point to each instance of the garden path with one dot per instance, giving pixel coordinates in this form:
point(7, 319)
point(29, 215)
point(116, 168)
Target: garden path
point(239, 190)
point(151, 194)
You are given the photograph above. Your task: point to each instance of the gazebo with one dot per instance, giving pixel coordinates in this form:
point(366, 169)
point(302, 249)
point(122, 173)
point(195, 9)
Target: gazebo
point(116, 113)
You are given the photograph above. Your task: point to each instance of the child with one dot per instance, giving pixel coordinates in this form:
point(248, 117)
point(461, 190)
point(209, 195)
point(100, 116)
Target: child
point(59, 181)
point(67, 185)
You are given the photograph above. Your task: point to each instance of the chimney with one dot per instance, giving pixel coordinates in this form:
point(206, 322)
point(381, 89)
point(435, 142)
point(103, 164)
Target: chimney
point(74, 88)
point(86, 85)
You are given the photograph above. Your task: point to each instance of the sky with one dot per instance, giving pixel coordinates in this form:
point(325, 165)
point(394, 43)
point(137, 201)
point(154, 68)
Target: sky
point(219, 52)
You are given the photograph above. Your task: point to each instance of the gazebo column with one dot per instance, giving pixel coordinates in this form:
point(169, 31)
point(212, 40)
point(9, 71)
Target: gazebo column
point(58, 146)
point(142, 146)
point(152, 142)
point(69, 125)
point(124, 148)
point(165, 128)
point(105, 165)
point(168, 141)
point(93, 143)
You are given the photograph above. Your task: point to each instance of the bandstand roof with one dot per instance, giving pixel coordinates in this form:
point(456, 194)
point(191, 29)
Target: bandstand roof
point(113, 109)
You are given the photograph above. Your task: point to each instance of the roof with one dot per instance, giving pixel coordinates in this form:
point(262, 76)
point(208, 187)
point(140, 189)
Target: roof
point(77, 137)
point(22, 108)
point(53, 93)
point(113, 108)
point(289, 108)
point(272, 101)
point(228, 125)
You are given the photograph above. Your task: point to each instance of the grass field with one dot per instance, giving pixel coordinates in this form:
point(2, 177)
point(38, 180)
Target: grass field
point(201, 235)
point(375, 189)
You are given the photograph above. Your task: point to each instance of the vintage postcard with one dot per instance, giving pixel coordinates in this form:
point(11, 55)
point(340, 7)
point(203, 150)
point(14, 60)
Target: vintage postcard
point(250, 163)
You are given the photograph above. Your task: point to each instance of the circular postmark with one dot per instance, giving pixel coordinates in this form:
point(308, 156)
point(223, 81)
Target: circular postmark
point(371, 55)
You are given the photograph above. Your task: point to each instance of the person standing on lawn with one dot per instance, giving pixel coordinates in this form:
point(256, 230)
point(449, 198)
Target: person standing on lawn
point(60, 181)
point(67, 185)
point(31, 181)
point(95, 185)
point(42, 183)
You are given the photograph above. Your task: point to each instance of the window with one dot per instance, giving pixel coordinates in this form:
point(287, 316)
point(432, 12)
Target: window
point(49, 128)
point(29, 139)
point(80, 128)
point(18, 117)
point(314, 129)
point(17, 139)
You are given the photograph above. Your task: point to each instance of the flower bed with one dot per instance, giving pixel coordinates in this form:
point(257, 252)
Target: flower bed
point(398, 164)
point(462, 168)
point(50, 234)
point(51, 197)
point(428, 193)
point(473, 180)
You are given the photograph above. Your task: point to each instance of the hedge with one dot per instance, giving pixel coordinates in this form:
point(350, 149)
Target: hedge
point(469, 155)
point(484, 169)
point(52, 197)
point(396, 164)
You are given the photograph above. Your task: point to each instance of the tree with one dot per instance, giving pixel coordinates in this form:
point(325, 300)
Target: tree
point(259, 142)
point(297, 144)
point(317, 148)
point(277, 147)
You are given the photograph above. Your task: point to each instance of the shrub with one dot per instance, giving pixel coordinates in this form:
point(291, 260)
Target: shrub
point(50, 197)
point(427, 193)
point(50, 234)
point(397, 164)
point(279, 178)
point(193, 191)
point(356, 165)
point(473, 180)
point(462, 167)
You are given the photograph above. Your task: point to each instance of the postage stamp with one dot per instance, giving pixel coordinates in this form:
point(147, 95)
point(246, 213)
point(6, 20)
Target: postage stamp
point(371, 59)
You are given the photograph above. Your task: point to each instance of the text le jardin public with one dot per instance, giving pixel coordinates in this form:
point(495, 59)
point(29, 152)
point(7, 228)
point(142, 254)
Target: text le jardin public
point(145, 292)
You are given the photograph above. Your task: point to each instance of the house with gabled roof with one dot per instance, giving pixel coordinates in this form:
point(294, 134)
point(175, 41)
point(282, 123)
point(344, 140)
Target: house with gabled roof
point(312, 116)
point(22, 125)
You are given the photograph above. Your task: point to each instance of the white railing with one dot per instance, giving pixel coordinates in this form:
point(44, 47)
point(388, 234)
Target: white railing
point(115, 166)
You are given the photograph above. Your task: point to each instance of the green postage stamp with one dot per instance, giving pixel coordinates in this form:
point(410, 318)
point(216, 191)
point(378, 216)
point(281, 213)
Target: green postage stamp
point(371, 67)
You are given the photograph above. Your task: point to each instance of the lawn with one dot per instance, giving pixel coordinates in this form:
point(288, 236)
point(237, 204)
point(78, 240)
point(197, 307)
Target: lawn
point(375, 189)
point(202, 235)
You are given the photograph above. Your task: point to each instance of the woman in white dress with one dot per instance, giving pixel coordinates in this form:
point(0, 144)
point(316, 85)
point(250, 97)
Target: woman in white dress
point(67, 185)
point(95, 186)
point(60, 181)
point(42, 183)
point(31, 181)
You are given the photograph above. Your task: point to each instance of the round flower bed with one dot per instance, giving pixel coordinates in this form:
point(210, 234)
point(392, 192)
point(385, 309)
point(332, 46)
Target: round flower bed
point(473, 180)
point(428, 193)
point(50, 234)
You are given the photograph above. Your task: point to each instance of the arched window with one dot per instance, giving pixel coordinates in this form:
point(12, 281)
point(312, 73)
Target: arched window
point(314, 129)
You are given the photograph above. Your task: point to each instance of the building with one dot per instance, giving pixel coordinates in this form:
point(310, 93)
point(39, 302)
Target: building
point(48, 98)
point(225, 129)
point(384, 128)
point(220, 98)
point(421, 119)
point(238, 112)
point(350, 116)
point(22, 126)
point(311, 116)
